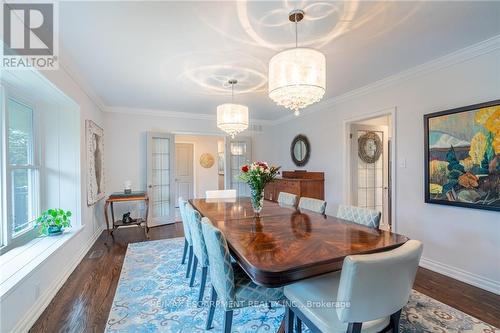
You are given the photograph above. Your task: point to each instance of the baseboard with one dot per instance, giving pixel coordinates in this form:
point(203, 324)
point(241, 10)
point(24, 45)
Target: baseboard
point(44, 300)
point(461, 275)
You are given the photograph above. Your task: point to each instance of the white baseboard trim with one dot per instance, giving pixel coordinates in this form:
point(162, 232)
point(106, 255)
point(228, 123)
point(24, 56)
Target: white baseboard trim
point(461, 275)
point(44, 300)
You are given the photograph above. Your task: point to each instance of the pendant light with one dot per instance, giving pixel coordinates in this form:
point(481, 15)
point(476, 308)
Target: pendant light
point(232, 118)
point(297, 77)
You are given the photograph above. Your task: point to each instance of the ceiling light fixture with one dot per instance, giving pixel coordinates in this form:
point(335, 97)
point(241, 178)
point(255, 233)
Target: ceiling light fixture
point(297, 77)
point(232, 118)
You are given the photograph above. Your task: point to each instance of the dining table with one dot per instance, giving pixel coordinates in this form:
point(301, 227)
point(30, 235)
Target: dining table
point(282, 245)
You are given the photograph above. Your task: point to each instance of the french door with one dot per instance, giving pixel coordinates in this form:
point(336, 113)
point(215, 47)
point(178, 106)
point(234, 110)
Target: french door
point(160, 173)
point(238, 152)
point(370, 181)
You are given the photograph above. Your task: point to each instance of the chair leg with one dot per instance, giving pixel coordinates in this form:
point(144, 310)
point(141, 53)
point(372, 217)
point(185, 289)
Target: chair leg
point(228, 321)
point(190, 260)
point(211, 309)
point(298, 325)
point(354, 327)
point(289, 316)
point(202, 284)
point(184, 253)
point(193, 272)
point(395, 321)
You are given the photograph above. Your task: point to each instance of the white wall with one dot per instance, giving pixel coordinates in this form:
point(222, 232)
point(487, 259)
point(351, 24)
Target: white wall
point(205, 178)
point(24, 303)
point(126, 138)
point(464, 243)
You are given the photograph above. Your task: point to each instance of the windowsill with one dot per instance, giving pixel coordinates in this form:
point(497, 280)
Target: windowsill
point(18, 263)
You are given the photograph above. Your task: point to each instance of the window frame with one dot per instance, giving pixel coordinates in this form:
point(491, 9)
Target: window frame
point(8, 239)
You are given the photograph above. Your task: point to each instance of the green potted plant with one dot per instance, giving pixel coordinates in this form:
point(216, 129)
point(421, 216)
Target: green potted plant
point(52, 221)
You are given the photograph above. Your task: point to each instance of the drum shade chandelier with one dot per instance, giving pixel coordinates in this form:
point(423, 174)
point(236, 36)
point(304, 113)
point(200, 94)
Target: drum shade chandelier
point(297, 77)
point(232, 118)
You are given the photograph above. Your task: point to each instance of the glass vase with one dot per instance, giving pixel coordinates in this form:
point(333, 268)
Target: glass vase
point(257, 201)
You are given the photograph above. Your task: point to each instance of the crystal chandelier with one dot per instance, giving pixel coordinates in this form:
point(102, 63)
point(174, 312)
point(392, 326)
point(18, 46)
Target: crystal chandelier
point(297, 77)
point(232, 118)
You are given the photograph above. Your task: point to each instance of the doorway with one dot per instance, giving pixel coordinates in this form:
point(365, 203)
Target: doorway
point(370, 166)
point(197, 166)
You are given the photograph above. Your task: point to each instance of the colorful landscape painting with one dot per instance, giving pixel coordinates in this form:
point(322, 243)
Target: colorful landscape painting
point(463, 156)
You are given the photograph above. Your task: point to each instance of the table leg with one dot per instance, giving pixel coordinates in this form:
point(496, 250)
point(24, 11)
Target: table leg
point(107, 220)
point(146, 227)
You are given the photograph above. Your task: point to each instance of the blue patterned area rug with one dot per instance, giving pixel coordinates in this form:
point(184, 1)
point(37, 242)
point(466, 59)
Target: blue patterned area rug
point(153, 296)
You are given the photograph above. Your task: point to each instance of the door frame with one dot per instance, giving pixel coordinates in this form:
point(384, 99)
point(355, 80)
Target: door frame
point(149, 174)
point(346, 170)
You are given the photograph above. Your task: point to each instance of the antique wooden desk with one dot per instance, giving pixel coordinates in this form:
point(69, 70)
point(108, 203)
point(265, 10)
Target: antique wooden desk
point(122, 197)
point(285, 245)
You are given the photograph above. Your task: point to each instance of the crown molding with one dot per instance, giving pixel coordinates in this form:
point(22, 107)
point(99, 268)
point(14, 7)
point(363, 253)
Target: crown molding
point(173, 114)
point(67, 64)
point(465, 54)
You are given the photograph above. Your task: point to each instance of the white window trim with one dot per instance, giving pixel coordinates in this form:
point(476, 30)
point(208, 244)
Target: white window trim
point(8, 242)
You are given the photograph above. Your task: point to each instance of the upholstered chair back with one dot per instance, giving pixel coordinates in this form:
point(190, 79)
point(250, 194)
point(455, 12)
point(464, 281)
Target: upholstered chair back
point(287, 199)
point(314, 205)
point(220, 194)
point(198, 241)
point(364, 216)
point(377, 285)
point(221, 270)
point(185, 223)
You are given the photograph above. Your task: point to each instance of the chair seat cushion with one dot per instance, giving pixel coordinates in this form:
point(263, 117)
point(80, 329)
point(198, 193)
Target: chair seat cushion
point(248, 293)
point(316, 299)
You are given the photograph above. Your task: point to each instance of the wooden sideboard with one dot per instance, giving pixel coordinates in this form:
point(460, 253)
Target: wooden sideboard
point(300, 183)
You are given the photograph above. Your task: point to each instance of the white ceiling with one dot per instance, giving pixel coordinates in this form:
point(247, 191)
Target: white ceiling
point(177, 56)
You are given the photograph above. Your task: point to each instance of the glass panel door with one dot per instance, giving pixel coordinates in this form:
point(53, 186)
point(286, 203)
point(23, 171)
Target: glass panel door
point(238, 152)
point(160, 157)
point(369, 181)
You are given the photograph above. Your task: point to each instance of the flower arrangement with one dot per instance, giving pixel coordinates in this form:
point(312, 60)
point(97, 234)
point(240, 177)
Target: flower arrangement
point(257, 175)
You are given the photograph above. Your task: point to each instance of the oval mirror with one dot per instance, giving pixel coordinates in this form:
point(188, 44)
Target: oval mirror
point(300, 150)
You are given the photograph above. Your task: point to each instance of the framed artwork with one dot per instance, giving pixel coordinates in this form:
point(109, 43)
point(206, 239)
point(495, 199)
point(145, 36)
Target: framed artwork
point(95, 162)
point(462, 156)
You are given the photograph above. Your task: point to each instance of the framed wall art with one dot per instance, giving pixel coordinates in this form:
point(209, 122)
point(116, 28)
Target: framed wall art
point(462, 156)
point(95, 162)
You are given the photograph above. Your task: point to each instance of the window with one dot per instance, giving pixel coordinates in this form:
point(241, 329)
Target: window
point(21, 170)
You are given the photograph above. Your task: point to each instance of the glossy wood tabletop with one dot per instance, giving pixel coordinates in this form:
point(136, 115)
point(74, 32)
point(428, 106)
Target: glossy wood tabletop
point(285, 245)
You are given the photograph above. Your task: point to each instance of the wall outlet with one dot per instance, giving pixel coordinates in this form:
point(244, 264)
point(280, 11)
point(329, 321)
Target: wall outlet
point(402, 163)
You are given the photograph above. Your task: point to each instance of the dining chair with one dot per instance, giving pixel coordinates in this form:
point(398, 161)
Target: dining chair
point(199, 249)
point(220, 194)
point(188, 247)
point(315, 205)
point(367, 295)
point(230, 284)
point(364, 216)
point(287, 199)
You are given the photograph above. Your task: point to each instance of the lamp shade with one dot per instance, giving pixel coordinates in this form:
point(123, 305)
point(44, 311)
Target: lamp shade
point(232, 118)
point(297, 78)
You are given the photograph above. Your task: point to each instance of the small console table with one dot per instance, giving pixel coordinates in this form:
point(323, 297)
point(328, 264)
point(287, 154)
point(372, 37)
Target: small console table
point(124, 197)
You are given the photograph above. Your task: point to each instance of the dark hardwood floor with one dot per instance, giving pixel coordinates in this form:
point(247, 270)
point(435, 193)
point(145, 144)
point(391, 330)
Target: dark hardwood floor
point(84, 301)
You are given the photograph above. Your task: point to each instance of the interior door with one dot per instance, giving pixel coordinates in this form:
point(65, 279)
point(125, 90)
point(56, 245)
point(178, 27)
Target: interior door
point(238, 152)
point(161, 152)
point(184, 177)
point(370, 181)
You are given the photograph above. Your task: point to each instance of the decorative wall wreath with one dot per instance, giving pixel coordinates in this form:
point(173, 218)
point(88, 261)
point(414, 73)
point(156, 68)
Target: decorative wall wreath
point(369, 147)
